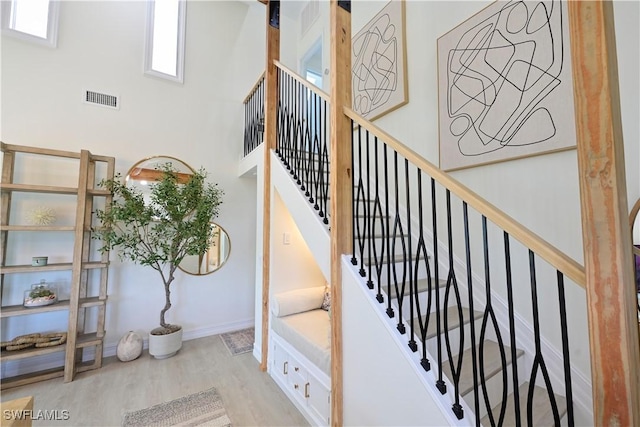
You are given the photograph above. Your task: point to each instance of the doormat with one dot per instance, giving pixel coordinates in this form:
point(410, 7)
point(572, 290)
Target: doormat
point(239, 342)
point(199, 409)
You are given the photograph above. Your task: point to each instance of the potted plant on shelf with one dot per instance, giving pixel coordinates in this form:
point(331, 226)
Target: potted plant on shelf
point(158, 228)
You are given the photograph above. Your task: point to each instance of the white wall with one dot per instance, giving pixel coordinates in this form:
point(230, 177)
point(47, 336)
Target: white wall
point(375, 364)
point(100, 47)
point(292, 264)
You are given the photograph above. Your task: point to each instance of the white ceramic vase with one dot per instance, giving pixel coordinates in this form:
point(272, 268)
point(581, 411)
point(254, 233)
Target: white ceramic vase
point(164, 346)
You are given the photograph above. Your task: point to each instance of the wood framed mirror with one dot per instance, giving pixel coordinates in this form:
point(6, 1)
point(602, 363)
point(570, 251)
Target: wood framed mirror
point(214, 258)
point(144, 173)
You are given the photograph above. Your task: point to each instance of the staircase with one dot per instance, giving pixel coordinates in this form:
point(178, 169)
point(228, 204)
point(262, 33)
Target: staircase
point(468, 303)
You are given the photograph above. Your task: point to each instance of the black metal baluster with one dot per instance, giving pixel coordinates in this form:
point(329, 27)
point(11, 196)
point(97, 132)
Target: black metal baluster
point(538, 361)
point(325, 167)
point(354, 260)
point(306, 158)
point(472, 329)
point(512, 331)
point(367, 217)
point(434, 213)
point(452, 283)
point(377, 212)
point(398, 232)
point(412, 342)
point(565, 350)
point(490, 315)
point(421, 251)
point(361, 231)
point(387, 238)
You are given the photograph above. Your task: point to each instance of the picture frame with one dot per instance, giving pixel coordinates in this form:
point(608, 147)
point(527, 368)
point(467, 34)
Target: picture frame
point(379, 63)
point(505, 85)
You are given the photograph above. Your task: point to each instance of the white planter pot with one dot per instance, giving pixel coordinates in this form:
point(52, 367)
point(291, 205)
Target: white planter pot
point(164, 346)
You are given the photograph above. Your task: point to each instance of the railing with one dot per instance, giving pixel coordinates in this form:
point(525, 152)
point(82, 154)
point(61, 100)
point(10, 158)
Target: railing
point(446, 263)
point(254, 117)
point(302, 136)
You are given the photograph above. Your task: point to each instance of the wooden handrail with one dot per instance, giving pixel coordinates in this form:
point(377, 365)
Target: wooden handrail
point(322, 94)
point(569, 267)
point(253, 89)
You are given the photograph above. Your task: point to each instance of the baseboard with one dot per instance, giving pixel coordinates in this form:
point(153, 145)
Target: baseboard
point(55, 360)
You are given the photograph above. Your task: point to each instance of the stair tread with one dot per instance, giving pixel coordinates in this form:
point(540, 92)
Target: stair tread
point(423, 286)
point(396, 259)
point(492, 364)
point(542, 412)
point(453, 320)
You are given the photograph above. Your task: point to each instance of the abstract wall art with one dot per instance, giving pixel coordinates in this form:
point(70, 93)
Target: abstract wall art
point(505, 87)
point(378, 58)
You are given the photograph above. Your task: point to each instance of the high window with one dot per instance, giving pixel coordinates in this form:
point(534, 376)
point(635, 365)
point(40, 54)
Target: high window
point(32, 20)
point(165, 41)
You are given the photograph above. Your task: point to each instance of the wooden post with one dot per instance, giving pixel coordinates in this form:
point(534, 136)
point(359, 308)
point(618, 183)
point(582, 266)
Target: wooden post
point(613, 326)
point(340, 185)
point(270, 118)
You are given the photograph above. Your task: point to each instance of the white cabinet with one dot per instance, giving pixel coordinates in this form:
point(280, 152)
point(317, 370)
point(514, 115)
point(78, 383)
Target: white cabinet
point(307, 386)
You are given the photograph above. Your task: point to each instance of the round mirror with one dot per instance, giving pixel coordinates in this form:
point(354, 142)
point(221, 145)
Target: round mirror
point(149, 170)
point(213, 258)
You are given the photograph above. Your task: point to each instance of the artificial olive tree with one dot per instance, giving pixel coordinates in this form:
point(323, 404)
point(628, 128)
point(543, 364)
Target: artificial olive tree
point(159, 228)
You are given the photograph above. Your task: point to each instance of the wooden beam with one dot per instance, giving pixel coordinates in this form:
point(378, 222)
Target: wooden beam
point(340, 183)
point(613, 326)
point(270, 117)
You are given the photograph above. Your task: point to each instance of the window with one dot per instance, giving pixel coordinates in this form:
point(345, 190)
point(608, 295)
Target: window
point(32, 20)
point(164, 56)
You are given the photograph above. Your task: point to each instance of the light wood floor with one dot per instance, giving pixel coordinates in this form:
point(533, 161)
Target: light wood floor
point(101, 397)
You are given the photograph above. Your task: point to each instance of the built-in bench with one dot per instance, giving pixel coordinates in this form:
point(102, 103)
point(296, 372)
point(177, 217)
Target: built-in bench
point(300, 360)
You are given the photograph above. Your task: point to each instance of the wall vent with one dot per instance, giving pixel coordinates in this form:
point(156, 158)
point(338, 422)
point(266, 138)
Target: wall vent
point(309, 15)
point(101, 99)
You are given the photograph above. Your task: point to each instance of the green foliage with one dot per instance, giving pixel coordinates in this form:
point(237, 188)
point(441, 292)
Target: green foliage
point(159, 228)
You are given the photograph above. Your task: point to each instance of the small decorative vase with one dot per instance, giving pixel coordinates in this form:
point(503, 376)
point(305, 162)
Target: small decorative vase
point(129, 347)
point(166, 345)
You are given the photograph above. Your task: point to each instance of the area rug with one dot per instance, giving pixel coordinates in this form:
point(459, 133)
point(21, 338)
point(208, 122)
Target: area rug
point(199, 409)
point(239, 342)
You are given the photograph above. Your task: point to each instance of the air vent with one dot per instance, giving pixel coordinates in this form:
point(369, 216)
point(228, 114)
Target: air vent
point(101, 99)
point(309, 15)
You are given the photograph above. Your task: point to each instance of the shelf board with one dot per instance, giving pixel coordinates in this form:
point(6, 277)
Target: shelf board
point(29, 268)
point(37, 228)
point(19, 310)
point(35, 188)
point(31, 352)
point(34, 377)
point(84, 340)
point(52, 267)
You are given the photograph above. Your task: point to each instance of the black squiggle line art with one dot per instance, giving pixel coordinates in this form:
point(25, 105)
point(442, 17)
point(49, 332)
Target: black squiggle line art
point(374, 71)
point(499, 77)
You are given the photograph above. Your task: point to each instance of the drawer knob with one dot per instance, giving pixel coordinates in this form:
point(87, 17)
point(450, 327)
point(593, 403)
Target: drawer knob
point(296, 369)
point(295, 386)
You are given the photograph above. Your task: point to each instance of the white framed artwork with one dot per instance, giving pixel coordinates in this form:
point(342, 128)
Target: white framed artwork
point(505, 87)
point(379, 68)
